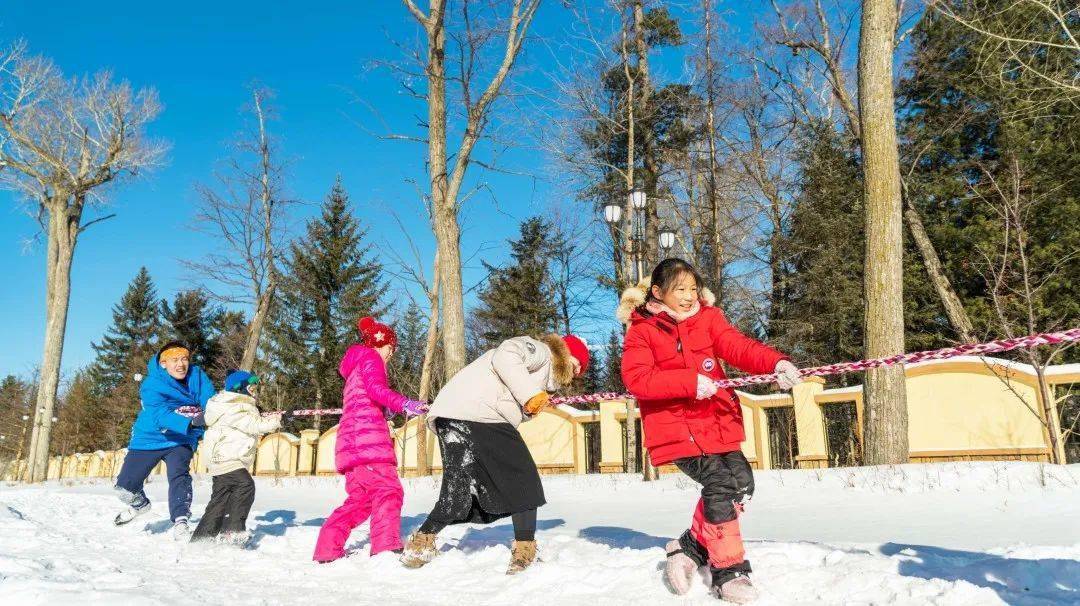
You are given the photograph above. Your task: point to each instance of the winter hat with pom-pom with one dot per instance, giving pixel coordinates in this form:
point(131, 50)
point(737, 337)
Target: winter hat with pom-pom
point(373, 334)
point(579, 349)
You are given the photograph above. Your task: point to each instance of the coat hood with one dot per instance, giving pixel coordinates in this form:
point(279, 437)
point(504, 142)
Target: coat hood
point(226, 401)
point(561, 368)
point(194, 390)
point(631, 304)
point(355, 354)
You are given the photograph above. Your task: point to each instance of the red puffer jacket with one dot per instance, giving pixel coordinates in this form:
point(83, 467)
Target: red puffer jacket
point(660, 364)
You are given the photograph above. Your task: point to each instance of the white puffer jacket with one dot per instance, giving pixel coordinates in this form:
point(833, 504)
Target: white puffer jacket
point(233, 429)
point(496, 385)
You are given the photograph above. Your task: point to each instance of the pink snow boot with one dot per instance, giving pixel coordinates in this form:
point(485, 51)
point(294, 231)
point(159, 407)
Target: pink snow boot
point(679, 569)
point(739, 590)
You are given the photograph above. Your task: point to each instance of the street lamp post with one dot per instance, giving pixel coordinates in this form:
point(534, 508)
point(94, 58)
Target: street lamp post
point(613, 213)
point(638, 200)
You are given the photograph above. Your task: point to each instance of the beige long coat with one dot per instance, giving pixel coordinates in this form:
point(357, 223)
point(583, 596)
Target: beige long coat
point(495, 386)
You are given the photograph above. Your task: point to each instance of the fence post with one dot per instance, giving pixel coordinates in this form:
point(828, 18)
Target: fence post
point(809, 424)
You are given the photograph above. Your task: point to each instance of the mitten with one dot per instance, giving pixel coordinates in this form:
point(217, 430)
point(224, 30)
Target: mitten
point(706, 387)
point(414, 408)
point(787, 375)
point(537, 403)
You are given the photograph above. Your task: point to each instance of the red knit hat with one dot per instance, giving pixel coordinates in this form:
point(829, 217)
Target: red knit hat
point(374, 334)
point(579, 349)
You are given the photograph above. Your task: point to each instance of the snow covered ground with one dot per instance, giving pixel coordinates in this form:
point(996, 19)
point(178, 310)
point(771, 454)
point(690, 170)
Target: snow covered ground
point(987, 533)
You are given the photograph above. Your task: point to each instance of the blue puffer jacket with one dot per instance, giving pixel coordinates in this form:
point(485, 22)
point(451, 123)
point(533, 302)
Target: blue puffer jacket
point(158, 425)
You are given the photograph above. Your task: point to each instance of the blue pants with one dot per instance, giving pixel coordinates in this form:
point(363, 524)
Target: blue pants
point(137, 467)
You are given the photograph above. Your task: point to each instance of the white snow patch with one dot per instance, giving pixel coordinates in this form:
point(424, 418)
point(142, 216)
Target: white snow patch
point(985, 533)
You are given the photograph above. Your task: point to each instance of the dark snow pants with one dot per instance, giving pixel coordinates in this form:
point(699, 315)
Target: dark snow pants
point(714, 537)
point(230, 502)
point(137, 467)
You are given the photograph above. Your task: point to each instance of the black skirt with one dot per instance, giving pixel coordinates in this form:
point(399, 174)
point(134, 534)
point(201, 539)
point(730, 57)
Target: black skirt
point(488, 473)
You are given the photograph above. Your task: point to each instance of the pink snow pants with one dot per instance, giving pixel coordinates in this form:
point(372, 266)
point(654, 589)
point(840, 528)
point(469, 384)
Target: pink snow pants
point(374, 491)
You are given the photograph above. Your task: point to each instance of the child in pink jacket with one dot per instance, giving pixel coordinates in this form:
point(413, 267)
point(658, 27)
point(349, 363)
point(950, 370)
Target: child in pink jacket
point(365, 452)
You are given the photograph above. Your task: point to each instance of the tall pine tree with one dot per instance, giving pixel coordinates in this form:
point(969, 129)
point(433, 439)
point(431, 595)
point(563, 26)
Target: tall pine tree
point(190, 320)
point(612, 380)
point(329, 283)
point(123, 353)
point(408, 359)
point(518, 299)
point(822, 319)
point(130, 340)
point(962, 122)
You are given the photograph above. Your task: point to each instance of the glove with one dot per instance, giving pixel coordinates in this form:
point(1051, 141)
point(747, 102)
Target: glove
point(286, 415)
point(413, 408)
point(537, 403)
point(706, 387)
point(787, 375)
point(194, 415)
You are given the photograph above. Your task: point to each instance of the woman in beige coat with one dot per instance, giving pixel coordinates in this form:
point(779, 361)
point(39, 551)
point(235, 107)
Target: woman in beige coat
point(488, 472)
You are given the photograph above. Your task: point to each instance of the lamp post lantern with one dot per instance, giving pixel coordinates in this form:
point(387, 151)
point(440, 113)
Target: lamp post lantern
point(667, 238)
point(612, 214)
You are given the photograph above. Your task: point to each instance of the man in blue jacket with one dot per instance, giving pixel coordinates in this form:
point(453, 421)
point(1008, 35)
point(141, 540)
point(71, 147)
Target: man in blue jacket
point(168, 428)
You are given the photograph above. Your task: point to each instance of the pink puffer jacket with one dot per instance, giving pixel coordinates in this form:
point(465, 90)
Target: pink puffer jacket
point(363, 436)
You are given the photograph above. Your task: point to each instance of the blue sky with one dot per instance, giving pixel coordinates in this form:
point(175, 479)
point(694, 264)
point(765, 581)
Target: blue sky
point(201, 57)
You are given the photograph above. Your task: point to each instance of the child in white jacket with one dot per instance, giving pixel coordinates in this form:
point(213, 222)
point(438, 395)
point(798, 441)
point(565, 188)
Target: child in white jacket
point(234, 427)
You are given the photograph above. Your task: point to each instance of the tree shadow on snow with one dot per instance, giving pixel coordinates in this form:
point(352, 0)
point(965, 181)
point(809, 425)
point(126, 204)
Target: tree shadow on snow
point(618, 537)
point(1015, 580)
point(476, 539)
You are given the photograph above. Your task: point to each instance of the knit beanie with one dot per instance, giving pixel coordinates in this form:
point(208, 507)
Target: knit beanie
point(238, 381)
point(579, 349)
point(373, 334)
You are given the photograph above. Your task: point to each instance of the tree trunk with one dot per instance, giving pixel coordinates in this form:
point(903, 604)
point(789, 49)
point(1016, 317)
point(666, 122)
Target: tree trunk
point(262, 310)
point(62, 235)
point(886, 418)
point(318, 394)
point(1053, 425)
point(954, 309)
point(650, 253)
point(716, 241)
point(443, 205)
point(423, 465)
point(634, 254)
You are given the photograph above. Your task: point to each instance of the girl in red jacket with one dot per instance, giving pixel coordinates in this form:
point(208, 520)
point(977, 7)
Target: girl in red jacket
point(672, 358)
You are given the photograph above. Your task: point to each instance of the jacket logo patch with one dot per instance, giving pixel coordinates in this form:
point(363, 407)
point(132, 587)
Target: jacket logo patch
point(708, 364)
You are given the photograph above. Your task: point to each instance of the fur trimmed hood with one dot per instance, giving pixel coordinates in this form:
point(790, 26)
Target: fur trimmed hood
point(561, 368)
point(634, 297)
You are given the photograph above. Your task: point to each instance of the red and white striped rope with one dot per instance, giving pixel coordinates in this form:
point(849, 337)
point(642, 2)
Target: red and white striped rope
point(971, 349)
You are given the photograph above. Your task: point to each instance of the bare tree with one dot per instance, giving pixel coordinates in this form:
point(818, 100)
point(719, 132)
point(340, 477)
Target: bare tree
point(1038, 38)
point(246, 213)
point(63, 141)
point(1018, 282)
point(412, 272)
point(819, 34)
point(886, 418)
point(447, 170)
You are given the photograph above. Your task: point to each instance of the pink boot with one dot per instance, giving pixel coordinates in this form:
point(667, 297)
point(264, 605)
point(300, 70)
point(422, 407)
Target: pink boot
point(679, 569)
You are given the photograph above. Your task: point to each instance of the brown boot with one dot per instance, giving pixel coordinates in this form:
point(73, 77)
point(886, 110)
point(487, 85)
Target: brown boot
point(419, 550)
point(522, 555)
